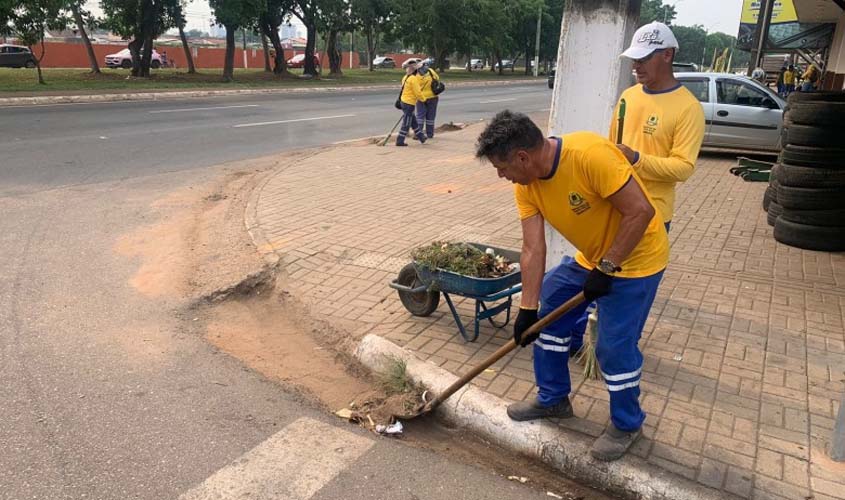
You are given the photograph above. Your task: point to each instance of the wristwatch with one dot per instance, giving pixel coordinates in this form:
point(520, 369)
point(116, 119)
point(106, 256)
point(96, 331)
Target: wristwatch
point(608, 267)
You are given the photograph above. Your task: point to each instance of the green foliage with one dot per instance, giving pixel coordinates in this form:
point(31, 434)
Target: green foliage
point(27, 20)
point(656, 10)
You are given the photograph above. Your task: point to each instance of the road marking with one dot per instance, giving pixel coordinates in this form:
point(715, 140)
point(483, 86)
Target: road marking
point(497, 100)
point(261, 124)
point(185, 110)
point(294, 464)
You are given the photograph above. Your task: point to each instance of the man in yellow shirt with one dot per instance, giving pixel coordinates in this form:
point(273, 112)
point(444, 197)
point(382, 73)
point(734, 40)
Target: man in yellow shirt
point(427, 109)
point(664, 126)
point(789, 77)
point(584, 187)
point(409, 95)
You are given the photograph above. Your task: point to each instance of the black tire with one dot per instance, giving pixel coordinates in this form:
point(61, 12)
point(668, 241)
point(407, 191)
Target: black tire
point(418, 304)
point(813, 157)
point(826, 239)
point(834, 217)
point(829, 114)
point(155, 64)
point(811, 177)
point(802, 198)
point(774, 177)
point(30, 64)
point(806, 135)
point(824, 96)
point(126, 64)
point(773, 213)
point(767, 197)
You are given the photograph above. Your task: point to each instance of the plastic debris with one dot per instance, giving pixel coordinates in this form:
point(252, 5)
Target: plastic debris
point(678, 357)
point(521, 479)
point(345, 413)
point(393, 429)
point(553, 495)
point(489, 370)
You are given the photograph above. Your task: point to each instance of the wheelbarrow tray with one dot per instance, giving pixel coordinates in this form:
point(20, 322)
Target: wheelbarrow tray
point(468, 286)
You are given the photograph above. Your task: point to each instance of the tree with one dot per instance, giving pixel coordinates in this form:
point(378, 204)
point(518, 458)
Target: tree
point(28, 20)
point(334, 18)
point(195, 33)
point(655, 10)
point(181, 22)
point(373, 18)
point(81, 17)
point(234, 14)
point(275, 13)
point(440, 27)
point(308, 12)
point(140, 22)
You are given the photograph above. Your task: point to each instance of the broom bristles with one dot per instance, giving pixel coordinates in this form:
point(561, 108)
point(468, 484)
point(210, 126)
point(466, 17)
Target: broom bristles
point(587, 354)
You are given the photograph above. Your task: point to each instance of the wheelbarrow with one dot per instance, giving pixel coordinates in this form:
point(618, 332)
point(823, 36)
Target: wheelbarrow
point(420, 288)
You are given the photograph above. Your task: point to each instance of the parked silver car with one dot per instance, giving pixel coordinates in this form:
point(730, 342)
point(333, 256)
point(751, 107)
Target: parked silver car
point(739, 112)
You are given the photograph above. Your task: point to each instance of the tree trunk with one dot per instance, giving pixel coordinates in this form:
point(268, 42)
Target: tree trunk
point(371, 48)
point(189, 58)
point(229, 61)
point(147, 55)
point(267, 67)
point(38, 62)
point(499, 60)
point(280, 66)
point(310, 44)
point(335, 59)
point(135, 50)
point(80, 24)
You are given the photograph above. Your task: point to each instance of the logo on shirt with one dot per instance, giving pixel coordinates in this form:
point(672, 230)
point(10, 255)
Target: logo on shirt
point(650, 126)
point(577, 203)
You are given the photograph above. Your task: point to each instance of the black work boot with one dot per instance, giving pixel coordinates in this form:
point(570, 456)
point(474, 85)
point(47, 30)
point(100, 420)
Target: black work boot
point(531, 410)
point(613, 443)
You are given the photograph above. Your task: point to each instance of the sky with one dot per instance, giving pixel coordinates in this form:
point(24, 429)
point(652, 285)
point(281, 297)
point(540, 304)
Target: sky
point(715, 15)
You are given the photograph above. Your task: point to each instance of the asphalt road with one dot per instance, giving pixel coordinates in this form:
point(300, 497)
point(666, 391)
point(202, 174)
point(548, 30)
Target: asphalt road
point(107, 393)
point(44, 147)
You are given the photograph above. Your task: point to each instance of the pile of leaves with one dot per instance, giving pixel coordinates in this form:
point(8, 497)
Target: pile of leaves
point(462, 259)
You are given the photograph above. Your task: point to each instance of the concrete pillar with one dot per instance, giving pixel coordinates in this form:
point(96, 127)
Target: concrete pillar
point(589, 77)
point(834, 78)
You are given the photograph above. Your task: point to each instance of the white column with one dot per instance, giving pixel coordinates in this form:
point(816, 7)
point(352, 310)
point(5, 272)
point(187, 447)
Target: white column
point(589, 77)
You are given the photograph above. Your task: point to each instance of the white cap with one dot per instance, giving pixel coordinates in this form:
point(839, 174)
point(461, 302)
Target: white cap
point(651, 37)
point(412, 61)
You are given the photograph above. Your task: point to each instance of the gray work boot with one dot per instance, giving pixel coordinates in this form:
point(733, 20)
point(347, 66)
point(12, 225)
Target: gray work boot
point(613, 443)
point(531, 410)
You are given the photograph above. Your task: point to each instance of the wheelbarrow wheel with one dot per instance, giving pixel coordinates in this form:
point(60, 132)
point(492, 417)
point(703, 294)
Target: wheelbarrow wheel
point(420, 303)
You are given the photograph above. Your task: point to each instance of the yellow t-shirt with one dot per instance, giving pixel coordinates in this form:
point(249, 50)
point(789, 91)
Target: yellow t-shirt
point(789, 77)
point(411, 92)
point(573, 199)
point(425, 83)
point(666, 129)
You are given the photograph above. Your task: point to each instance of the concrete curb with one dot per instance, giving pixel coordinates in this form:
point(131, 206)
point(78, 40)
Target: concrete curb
point(484, 414)
point(183, 94)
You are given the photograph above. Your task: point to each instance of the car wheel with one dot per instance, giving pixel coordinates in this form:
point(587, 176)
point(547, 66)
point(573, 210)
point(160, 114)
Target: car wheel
point(802, 198)
point(834, 217)
point(773, 213)
point(30, 64)
point(811, 177)
point(813, 157)
point(810, 237)
point(126, 64)
point(829, 114)
point(155, 64)
point(805, 135)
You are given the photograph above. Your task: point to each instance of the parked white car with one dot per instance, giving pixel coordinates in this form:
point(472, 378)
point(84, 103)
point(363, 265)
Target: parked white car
point(475, 64)
point(123, 59)
point(739, 112)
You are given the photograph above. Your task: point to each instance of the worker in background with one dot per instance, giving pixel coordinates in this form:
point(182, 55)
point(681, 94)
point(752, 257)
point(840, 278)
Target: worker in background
point(585, 188)
point(759, 74)
point(810, 77)
point(427, 109)
point(664, 126)
point(409, 95)
point(780, 83)
point(789, 77)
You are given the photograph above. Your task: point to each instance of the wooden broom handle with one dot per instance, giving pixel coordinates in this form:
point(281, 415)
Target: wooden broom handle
point(508, 347)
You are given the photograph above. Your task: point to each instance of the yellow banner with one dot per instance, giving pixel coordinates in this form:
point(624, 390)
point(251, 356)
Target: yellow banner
point(783, 12)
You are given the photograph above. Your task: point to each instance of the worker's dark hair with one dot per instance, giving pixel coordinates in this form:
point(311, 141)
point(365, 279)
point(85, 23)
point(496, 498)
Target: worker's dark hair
point(506, 133)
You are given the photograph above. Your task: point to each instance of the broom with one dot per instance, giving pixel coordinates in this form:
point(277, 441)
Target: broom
point(587, 354)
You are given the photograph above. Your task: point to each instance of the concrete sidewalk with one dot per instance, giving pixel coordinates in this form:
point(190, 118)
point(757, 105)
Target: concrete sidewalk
point(744, 348)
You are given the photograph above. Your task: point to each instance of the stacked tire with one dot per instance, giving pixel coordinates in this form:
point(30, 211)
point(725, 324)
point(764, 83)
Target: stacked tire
point(805, 199)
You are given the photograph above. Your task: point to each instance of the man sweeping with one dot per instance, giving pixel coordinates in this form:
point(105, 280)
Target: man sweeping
point(664, 125)
point(582, 184)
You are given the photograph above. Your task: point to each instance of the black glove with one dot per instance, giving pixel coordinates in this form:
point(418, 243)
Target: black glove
point(596, 285)
point(523, 322)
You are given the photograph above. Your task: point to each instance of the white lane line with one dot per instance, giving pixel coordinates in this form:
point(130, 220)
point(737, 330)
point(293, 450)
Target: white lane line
point(293, 464)
point(185, 110)
point(497, 100)
point(261, 124)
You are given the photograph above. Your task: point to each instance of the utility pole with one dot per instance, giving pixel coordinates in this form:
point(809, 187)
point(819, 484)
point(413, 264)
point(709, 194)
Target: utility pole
point(761, 34)
point(537, 41)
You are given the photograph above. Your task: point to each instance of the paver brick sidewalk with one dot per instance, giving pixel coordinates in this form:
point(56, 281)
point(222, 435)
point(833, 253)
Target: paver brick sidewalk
point(744, 348)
